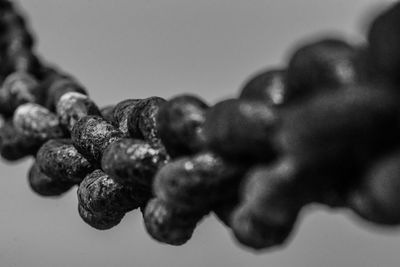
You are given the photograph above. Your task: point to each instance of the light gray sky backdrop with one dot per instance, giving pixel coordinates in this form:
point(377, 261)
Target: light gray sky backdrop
point(127, 49)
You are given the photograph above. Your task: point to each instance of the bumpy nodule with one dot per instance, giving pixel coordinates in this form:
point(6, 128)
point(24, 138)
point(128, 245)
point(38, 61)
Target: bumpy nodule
point(267, 86)
point(59, 158)
point(168, 224)
point(241, 130)
point(133, 161)
point(45, 185)
point(91, 135)
point(99, 192)
point(180, 125)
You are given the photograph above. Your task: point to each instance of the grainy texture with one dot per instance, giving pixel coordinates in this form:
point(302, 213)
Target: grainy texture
point(91, 135)
point(121, 114)
point(148, 120)
point(133, 161)
point(100, 220)
point(135, 115)
point(59, 158)
point(100, 192)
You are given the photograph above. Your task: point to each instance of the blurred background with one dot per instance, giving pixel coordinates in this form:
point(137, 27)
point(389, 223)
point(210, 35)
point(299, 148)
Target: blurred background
point(129, 49)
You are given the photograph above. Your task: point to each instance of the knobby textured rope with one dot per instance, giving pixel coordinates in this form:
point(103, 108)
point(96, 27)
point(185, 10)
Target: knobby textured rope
point(325, 129)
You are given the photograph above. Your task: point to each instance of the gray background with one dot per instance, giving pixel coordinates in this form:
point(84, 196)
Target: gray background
point(128, 49)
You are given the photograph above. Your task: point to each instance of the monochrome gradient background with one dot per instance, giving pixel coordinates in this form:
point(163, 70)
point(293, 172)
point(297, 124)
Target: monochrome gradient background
point(129, 49)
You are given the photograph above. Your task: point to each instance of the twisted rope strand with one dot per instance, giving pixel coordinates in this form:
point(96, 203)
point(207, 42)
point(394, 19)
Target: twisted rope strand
point(324, 130)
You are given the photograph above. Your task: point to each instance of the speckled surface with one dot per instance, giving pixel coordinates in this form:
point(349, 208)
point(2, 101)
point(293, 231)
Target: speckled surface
point(91, 135)
point(73, 106)
point(134, 161)
point(59, 158)
point(100, 192)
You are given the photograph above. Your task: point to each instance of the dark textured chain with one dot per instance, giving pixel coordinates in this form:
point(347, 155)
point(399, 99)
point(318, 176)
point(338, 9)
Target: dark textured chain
point(324, 130)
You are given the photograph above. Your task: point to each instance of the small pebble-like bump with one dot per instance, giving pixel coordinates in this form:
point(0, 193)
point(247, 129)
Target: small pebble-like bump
point(121, 114)
point(241, 130)
point(133, 161)
point(180, 125)
point(321, 65)
point(18, 88)
point(15, 146)
point(252, 232)
point(59, 158)
point(37, 122)
point(198, 182)
point(58, 85)
point(167, 224)
point(99, 192)
point(148, 122)
point(73, 106)
point(267, 86)
point(377, 198)
point(45, 185)
point(135, 115)
point(91, 135)
point(100, 220)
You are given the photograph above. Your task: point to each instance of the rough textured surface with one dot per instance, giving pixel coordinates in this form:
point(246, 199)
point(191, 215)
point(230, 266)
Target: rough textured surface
point(91, 135)
point(100, 192)
point(100, 220)
point(167, 224)
point(73, 106)
point(45, 185)
point(135, 115)
point(179, 123)
point(147, 120)
point(133, 161)
point(198, 182)
point(37, 122)
point(267, 86)
point(59, 158)
point(121, 114)
point(241, 130)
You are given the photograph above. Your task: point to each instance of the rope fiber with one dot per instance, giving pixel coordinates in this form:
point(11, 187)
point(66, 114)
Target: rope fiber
point(326, 129)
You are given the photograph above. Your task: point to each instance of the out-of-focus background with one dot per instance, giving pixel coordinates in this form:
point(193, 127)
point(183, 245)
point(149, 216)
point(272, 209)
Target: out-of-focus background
point(128, 49)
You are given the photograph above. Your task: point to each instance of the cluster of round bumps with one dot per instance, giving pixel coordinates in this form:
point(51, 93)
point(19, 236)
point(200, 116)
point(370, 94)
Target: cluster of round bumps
point(322, 130)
